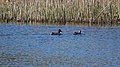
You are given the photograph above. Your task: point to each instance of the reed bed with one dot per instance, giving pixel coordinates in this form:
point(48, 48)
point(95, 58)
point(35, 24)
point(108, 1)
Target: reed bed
point(61, 12)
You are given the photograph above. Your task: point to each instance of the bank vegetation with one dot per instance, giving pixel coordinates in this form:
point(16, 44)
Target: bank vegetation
point(61, 12)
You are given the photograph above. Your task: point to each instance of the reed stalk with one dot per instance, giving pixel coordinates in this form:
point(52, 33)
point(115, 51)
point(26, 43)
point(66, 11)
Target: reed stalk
point(91, 12)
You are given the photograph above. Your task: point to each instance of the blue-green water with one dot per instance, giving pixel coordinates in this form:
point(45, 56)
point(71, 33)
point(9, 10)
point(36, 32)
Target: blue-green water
point(33, 46)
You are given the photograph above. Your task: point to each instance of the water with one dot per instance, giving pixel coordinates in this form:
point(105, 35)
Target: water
point(33, 46)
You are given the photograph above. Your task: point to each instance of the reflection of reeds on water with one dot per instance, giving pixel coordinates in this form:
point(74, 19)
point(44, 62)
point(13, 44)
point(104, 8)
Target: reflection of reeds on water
point(90, 12)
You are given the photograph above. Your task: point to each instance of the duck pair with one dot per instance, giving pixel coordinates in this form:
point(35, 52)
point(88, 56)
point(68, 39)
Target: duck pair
point(59, 32)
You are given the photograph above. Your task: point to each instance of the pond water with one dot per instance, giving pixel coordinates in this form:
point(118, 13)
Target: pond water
point(33, 46)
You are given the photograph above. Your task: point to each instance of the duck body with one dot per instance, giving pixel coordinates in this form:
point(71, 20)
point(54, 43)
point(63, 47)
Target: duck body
point(77, 33)
point(57, 33)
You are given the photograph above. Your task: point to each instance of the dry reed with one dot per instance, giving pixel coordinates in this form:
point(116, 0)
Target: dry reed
point(90, 12)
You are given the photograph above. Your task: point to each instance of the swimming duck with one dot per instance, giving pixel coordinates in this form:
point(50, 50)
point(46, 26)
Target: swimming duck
point(57, 33)
point(76, 33)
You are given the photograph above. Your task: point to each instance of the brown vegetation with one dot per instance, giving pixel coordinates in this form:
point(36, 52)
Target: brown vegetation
point(100, 12)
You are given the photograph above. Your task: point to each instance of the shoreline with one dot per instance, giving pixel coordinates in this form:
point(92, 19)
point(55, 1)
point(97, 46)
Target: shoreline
point(58, 24)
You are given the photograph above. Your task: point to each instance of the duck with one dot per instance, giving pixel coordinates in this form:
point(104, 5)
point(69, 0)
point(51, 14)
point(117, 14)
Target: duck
point(57, 33)
point(76, 33)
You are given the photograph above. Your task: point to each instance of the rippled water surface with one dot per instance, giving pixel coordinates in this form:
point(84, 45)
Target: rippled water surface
point(33, 46)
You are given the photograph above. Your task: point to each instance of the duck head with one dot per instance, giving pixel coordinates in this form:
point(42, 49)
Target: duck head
point(59, 30)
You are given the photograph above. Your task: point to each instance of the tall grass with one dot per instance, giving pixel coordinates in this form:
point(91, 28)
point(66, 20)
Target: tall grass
point(90, 12)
